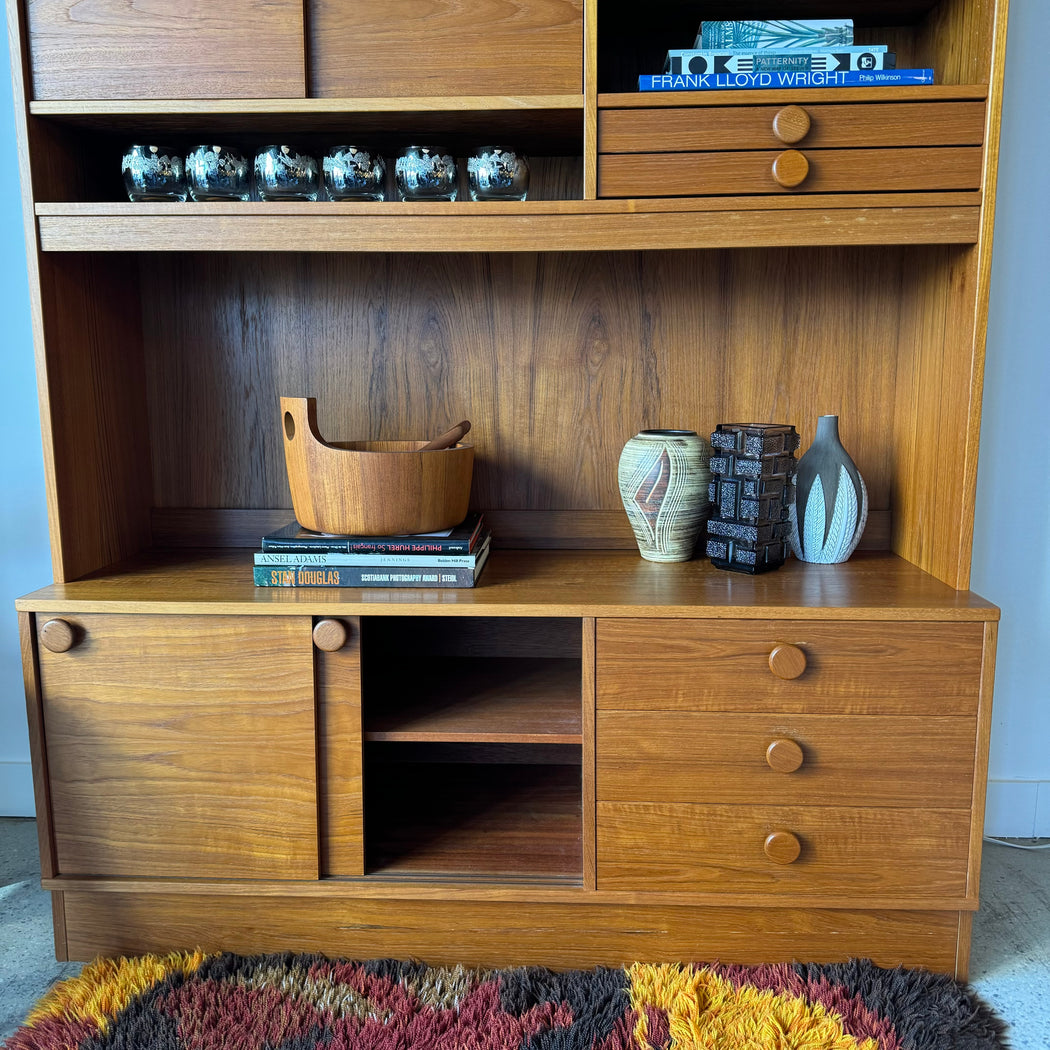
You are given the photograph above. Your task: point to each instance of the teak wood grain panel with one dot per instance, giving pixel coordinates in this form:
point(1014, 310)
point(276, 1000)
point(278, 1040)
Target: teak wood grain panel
point(751, 171)
point(848, 852)
point(530, 347)
point(182, 746)
point(96, 452)
point(940, 374)
point(180, 49)
point(445, 47)
point(661, 756)
point(855, 668)
point(339, 756)
point(504, 934)
point(871, 125)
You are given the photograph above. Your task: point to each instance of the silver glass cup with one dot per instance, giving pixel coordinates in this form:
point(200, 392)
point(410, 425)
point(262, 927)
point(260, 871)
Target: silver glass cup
point(354, 174)
point(154, 173)
point(495, 173)
point(426, 173)
point(217, 173)
point(282, 173)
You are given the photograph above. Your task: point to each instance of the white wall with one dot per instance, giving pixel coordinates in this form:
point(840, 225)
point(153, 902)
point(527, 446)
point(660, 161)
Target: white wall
point(1011, 561)
point(23, 516)
point(1012, 541)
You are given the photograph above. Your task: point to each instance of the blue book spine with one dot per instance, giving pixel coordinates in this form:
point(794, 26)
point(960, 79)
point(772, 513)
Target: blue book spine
point(812, 78)
point(776, 60)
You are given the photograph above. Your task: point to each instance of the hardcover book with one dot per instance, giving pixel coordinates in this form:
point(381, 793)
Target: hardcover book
point(460, 539)
point(295, 559)
point(773, 60)
point(813, 78)
point(776, 32)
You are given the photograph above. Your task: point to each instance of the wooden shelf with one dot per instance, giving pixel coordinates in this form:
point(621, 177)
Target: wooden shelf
point(514, 700)
point(539, 124)
point(473, 820)
point(534, 226)
point(872, 585)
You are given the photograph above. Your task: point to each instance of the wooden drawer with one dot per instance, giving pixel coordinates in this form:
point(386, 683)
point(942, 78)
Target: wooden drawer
point(847, 852)
point(769, 171)
point(850, 125)
point(843, 759)
point(181, 746)
point(116, 49)
point(849, 667)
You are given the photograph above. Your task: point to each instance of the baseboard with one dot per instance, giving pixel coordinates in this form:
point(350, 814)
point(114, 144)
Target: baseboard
point(16, 790)
point(1018, 809)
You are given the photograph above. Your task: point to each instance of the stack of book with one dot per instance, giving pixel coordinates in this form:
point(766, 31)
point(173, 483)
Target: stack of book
point(295, 557)
point(780, 53)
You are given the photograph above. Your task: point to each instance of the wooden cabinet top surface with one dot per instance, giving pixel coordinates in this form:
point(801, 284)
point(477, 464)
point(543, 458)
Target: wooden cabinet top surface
point(871, 586)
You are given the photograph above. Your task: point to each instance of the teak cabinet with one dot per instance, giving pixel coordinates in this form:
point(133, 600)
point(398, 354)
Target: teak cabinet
point(588, 758)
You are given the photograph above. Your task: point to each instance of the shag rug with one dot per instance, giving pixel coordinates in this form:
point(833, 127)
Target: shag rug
point(307, 1002)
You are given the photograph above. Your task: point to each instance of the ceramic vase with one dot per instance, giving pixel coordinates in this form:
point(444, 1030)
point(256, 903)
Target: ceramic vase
point(663, 477)
point(831, 502)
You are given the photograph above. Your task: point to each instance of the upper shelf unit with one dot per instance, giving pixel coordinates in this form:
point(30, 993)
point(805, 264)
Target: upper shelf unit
point(613, 168)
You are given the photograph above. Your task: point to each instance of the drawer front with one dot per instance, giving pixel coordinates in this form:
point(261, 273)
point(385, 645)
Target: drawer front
point(848, 852)
point(858, 125)
point(846, 667)
point(769, 171)
point(858, 760)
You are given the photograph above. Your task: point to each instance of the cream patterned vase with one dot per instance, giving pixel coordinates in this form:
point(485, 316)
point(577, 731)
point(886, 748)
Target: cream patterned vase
point(663, 477)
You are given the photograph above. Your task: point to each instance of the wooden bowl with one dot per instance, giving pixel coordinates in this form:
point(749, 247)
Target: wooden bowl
point(371, 488)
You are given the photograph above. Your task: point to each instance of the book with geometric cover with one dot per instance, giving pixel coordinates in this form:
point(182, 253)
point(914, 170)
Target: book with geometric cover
point(776, 60)
point(777, 32)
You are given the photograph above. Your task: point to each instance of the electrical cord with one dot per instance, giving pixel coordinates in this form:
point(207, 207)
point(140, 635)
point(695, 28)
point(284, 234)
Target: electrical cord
point(1015, 845)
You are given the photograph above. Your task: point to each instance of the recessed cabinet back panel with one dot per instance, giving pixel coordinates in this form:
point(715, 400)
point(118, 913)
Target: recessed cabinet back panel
point(557, 359)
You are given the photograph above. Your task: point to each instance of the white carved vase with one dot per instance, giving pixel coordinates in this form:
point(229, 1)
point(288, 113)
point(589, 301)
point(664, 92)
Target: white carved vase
point(831, 500)
point(663, 477)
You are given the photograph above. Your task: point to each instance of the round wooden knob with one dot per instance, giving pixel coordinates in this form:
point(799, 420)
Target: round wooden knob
point(787, 661)
point(330, 635)
point(58, 636)
point(782, 847)
point(791, 124)
point(784, 756)
point(790, 169)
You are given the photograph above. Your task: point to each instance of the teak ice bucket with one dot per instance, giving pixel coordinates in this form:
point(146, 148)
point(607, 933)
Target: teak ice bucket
point(371, 488)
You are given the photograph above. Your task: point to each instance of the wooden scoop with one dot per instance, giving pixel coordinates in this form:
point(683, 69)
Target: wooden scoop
point(448, 439)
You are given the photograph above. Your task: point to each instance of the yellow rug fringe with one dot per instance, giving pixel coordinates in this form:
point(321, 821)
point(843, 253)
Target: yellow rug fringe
point(105, 986)
point(706, 1012)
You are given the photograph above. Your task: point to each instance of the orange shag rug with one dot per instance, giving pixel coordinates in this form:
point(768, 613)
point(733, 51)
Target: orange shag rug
point(194, 1001)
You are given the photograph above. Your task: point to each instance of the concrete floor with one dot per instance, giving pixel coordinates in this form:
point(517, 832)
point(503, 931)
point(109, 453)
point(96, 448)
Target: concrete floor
point(1010, 964)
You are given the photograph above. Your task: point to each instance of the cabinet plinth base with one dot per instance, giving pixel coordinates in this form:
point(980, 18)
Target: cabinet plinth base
point(504, 933)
